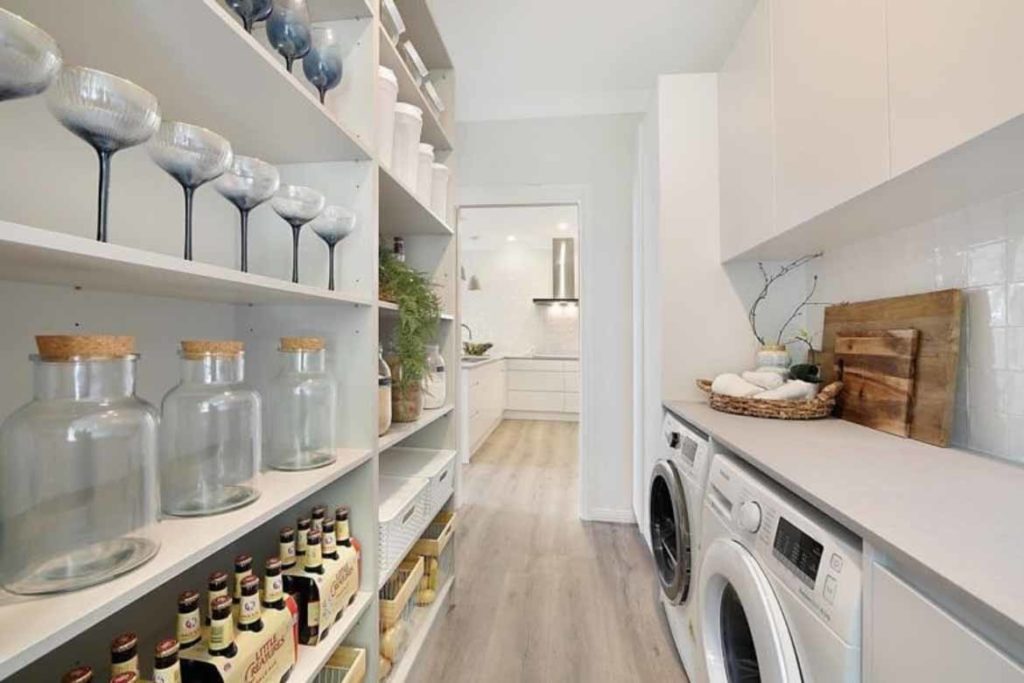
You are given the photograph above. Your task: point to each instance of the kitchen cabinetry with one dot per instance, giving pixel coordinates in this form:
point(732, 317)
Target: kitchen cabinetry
point(910, 638)
point(549, 387)
point(829, 103)
point(745, 138)
point(485, 395)
point(953, 73)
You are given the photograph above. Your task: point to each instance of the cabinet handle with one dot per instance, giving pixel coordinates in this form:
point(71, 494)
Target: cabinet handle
point(409, 514)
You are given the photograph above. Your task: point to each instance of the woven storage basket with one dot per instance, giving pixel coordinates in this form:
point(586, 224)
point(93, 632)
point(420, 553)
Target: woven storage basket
point(816, 408)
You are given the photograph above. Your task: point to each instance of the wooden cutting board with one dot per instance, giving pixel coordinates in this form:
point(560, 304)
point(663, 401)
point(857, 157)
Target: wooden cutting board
point(877, 370)
point(937, 318)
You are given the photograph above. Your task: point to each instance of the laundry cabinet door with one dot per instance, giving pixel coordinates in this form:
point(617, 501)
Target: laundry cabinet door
point(830, 104)
point(954, 73)
point(913, 639)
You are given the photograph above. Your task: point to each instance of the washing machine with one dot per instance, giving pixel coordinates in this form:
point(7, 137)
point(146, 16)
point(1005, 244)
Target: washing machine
point(674, 520)
point(779, 594)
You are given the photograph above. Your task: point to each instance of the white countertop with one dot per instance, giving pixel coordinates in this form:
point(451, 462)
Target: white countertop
point(958, 515)
point(542, 356)
point(469, 365)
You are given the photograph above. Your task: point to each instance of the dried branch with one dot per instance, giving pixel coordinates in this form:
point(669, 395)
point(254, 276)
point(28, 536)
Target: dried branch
point(796, 311)
point(769, 280)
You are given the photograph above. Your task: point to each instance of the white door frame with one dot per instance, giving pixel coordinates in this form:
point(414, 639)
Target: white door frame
point(553, 195)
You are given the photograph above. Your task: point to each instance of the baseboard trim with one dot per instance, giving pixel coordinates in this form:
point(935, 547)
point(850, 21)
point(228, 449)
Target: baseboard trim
point(537, 415)
point(612, 515)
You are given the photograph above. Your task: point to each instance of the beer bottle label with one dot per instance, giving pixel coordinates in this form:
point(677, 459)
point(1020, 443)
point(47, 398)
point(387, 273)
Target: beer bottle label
point(313, 614)
point(330, 544)
point(222, 633)
point(249, 610)
point(314, 556)
point(171, 674)
point(129, 666)
point(188, 627)
point(273, 588)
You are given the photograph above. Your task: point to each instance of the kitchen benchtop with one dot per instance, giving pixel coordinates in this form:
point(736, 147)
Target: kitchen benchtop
point(958, 515)
point(469, 365)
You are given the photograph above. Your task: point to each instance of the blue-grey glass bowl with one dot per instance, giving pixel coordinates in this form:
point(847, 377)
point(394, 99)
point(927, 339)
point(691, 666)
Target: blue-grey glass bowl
point(29, 57)
point(288, 30)
point(322, 64)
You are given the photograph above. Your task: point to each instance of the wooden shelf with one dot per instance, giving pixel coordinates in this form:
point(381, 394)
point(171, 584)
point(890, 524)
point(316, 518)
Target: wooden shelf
point(48, 257)
point(433, 132)
point(401, 431)
point(312, 659)
point(335, 10)
point(402, 213)
point(423, 621)
point(32, 627)
point(205, 69)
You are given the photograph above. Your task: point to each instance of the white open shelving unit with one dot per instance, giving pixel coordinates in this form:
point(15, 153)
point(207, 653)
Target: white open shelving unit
point(204, 69)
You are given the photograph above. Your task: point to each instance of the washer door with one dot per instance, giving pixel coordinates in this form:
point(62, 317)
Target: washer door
point(746, 639)
point(669, 522)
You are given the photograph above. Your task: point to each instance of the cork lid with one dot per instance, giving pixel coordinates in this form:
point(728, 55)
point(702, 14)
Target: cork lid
point(188, 599)
point(58, 347)
point(80, 674)
point(304, 523)
point(200, 348)
point(243, 562)
point(126, 642)
point(341, 513)
point(166, 648)
point(221, 604)
point(319, 511)
point(287, 533)
point(218, 579)
point(303, 343)
point(250, 583)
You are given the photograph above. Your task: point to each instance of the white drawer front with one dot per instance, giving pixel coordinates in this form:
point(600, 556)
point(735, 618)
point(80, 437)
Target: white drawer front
point(522, 380)
point(571, 382)
point(571, 403)
point(539, 401)
point(570, 365)
point(534, 364)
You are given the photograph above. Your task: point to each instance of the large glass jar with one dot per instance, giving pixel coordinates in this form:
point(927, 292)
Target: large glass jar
point(210, 434)
point(78, 483)
point(383, 394)
point(435, 383)
point(302, 407)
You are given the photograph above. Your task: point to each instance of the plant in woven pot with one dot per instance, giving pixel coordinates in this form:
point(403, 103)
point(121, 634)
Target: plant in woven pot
point(773, 353)
point(419, 310)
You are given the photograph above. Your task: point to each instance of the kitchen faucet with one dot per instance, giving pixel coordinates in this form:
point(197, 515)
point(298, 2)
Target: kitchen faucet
point(468, 330)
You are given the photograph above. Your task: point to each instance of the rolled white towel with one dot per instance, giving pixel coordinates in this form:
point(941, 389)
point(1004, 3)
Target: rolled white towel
point(793, 390)
point(731, 384)
point(764, 378)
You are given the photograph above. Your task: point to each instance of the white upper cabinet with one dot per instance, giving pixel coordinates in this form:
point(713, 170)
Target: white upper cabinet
point(745, 138)
point(954, 73)
point(829, 102)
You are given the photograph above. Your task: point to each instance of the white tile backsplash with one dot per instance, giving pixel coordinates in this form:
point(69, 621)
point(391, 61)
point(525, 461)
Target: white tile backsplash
point(979, 249)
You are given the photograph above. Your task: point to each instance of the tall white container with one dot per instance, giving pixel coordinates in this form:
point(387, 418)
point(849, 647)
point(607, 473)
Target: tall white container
point(439, 190)
point(387, 96)
point(425, 173)
point(405, 155)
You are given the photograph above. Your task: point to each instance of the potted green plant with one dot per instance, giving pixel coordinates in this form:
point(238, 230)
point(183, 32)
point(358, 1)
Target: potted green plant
point(419, 310)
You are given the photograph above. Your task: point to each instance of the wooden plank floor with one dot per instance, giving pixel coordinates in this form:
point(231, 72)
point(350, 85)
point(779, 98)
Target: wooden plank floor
point(540, 596)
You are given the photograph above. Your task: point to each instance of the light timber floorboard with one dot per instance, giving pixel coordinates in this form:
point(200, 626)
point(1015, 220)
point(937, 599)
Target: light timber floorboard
point(539, 595)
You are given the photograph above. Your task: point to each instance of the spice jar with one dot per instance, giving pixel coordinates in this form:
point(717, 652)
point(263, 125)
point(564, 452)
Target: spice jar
point(78, 481)
point(435, 383)
point(210, 434)
point(302, 407)
point(383, 394)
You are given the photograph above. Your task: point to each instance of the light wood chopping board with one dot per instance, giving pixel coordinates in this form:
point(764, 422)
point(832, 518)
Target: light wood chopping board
point(937, 318)
point(877, 370)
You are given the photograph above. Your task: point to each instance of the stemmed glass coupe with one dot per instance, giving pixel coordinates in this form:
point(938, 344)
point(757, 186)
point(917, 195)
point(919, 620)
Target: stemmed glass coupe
point(334, 224)
point(322, 64)
point(288, 30)
point(297, 205)
point(247, 183)
point(251, 11)
point(109, 113)
point(192, 155)
point(29, 57)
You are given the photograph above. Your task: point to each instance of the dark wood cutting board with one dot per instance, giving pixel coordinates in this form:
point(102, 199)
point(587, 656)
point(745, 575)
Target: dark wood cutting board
point(937, 318)
point(877, 371)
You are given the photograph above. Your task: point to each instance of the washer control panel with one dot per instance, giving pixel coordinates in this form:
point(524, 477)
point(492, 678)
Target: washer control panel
point(686, 446)
point(812, 555)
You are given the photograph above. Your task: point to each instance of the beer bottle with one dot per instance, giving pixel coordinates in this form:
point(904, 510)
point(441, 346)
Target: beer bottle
point(80, 674)
point(302, 536)
point(329, 542)
point(250, 618)
point(341, 530)
point(243, 568)
point(166, 667)
point(273, 586)
point(222, 629)
point(217, 586)
point(286, 547)
point(188, 630)
point(124, 654)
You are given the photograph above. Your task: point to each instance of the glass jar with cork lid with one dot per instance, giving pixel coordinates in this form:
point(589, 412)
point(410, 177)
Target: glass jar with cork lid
point(210, 436)
point(302, 407)
point(78, 473)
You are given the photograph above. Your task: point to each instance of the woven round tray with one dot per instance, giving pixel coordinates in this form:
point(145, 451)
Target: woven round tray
point(816, 408)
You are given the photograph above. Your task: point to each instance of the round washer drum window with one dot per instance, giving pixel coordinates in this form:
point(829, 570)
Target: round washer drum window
point(669, 524)
point(737, 641)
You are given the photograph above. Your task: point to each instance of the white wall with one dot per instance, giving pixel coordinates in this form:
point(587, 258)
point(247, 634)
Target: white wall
point(502, 310)
point(597, 155)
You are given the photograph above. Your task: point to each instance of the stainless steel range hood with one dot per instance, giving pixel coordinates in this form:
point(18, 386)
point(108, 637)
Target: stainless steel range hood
point(563, 273)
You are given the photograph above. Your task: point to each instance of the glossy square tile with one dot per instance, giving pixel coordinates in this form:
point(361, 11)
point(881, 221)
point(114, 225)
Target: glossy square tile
point(1015, 348)
point(986, 307)
point(1015, 304)
point(986, 264)
point(1015, 394)
point(1015, 439)
point(987, 389)
point(988, 432)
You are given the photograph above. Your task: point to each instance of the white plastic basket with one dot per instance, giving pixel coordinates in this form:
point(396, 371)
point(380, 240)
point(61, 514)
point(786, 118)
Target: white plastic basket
point(437, 466)
point(403, 514)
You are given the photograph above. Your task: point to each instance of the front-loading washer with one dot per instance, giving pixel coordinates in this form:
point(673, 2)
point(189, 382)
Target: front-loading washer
point(675, 499)
point(780, 589)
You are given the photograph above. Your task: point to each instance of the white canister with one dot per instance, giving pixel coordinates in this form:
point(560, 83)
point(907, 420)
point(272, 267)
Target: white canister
point(405, 155)
point(425, 173)
point(439, 191)
point(387, 96)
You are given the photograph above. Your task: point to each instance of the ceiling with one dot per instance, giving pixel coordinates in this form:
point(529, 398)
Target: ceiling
point(525, 227)
point(531, 58)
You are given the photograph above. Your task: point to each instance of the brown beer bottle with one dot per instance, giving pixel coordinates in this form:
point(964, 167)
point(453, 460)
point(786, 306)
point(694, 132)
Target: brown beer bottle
point(273, 585)
point(222, 629)
point(217, 585)
point(188, 629)
point(329, 542)
point(286, 547)
point(124, 654)
point(250, 618)
point(166, 667)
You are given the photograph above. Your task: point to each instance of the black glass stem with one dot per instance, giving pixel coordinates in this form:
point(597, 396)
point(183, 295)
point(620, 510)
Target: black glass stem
point(247, 24)
point(323, 94)
point(244, 214)
point(330, 261)
point(104, 195)
point(296, 231)
point(188, 221)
